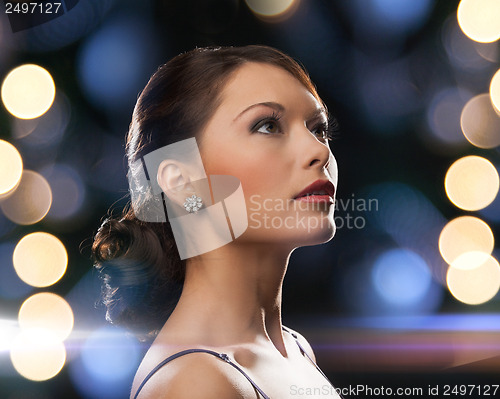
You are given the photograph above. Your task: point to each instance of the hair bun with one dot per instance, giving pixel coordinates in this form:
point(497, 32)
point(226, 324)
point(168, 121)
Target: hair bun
point(116, 237)
point(131, 262)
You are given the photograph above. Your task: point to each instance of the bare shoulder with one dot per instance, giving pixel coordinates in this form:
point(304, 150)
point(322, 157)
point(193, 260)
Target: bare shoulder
point(305, 344)
point(193, 376)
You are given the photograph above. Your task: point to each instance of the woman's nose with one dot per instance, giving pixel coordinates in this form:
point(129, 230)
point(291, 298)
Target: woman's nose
point(315, 153)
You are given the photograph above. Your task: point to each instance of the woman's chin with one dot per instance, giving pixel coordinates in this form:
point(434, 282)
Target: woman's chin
point(319, 235)
point(317, 231)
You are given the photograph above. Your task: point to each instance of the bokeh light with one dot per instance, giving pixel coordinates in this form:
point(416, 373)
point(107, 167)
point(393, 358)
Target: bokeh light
point(471, 183)
point(389, 95)
point(411, 220)
point(382, 280)
point(443, 114)
point(11, 286)
point(116, 61)
point(37, 354)
point(480, 19)
point(465, 234)
point(405, 15)
point(495, 91)
point(80, 18)
point(462, 52)
point(489, 51)
point(47, 311)
point(106, 365)
point(31, 200)
point(474, 278)
point(492, 212)
point(28, 91)
point(11, 165)
point(386, 22)
point(68, 191)
point(480, 122)
point(401, 277)
point(47, 130)
point(271, 8)
point(40, 259)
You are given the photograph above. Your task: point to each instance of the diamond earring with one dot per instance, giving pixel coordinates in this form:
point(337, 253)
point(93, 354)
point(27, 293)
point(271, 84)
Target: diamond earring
point(193, 204)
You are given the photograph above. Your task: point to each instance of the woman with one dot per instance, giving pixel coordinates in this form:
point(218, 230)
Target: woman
point(255, 115)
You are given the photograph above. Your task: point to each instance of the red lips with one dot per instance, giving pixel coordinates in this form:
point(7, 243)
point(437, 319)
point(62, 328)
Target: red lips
point(321, 190)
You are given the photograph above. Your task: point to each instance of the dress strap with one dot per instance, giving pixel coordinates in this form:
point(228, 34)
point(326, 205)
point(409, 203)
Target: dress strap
point(305, 353)
point(228, 360)
point(221, 356)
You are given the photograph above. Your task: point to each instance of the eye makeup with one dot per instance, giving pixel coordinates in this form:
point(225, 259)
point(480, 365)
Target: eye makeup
point(328, 129)
point(272, 119)
point(325, 128)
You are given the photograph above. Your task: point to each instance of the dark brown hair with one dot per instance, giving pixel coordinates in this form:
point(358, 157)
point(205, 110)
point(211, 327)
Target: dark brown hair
point(142, 273)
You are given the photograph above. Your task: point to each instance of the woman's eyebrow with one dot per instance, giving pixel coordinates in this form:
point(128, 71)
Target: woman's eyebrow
point(318, 113)
point(271, 104)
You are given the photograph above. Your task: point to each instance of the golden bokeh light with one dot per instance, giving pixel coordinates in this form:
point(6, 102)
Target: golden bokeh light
point(272, 9)
point(480, 19)
point(37, 354)
point(48, 311)
point(11, 167)
point(471, 183)
point(480, 122)
point(474, 278)
point(465, 234)
point(31, 200)
point(40, 259)
point(28, 91)
point(495, 92)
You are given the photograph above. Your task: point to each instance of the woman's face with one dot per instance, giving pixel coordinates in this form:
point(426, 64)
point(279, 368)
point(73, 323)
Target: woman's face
point(269, 131)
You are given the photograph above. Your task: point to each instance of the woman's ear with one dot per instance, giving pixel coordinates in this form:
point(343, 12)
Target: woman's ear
point(174, 181)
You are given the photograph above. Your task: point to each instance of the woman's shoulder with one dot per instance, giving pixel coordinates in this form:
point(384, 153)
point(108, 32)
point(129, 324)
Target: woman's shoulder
point(177, 366)
point(194, 375)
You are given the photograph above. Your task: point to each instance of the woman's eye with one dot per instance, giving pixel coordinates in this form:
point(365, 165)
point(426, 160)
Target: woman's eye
point(321, 132)
point(269, 127)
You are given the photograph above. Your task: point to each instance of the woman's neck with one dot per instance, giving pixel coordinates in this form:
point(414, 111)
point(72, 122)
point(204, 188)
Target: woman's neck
point(233, 295)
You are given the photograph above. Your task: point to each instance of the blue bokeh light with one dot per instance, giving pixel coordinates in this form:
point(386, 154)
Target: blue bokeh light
point(106, 365)
point(401, 14)
point(406, 214)
point(411, 221)
point(387, 22)
point(389, 281)
point(116, 62)
point(389, 95)
point(401, 277)
point(443, 115)
point(68, 191)
point(80, 18)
